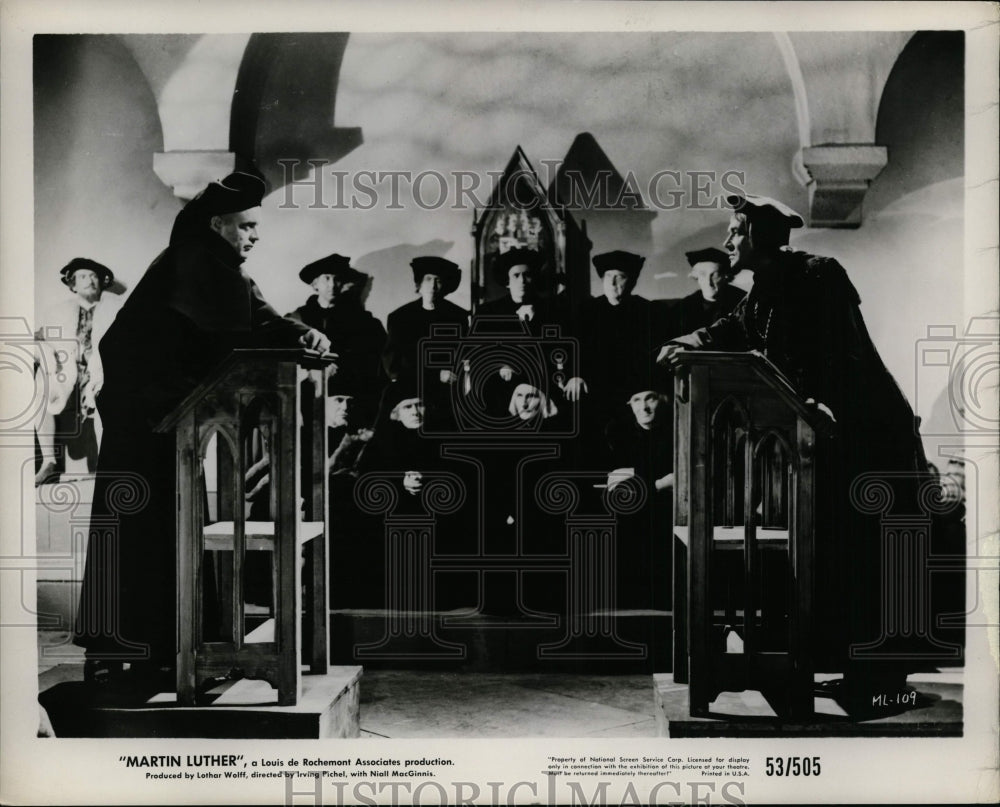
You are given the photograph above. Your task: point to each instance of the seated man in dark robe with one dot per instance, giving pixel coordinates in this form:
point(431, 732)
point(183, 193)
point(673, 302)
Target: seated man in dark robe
point(402, 453)
point(192, 307)
point(336, 309)
point(803, 313)
point(640, 445)
point(522, 313)
point(715, 296)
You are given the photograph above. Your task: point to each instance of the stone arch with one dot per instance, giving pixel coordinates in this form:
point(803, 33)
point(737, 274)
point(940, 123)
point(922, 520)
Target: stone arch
point(837, 80)
point(921, 116)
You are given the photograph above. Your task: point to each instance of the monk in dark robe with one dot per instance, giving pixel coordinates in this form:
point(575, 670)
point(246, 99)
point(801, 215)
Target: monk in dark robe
point(803, 314)
point(192, 307)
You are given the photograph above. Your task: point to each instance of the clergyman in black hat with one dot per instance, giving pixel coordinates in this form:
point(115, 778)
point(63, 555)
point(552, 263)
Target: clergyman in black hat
point(715, 297)
point(193, 306)
point(336, 309)
point(434, 278)
point(519, 270)
point(640, 446)
point(616, 334)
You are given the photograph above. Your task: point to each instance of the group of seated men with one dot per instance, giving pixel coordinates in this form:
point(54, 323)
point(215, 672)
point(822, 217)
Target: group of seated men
point(525, 368)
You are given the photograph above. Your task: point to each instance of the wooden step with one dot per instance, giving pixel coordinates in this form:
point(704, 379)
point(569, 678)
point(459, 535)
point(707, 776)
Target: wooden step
point(328, 707)
point(937, 713)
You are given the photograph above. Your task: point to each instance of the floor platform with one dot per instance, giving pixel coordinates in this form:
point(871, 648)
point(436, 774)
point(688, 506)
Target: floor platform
point(328, 707)
point(932, 708)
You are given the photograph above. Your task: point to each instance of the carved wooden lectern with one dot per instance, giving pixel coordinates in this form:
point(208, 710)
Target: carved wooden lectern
point(252, 513)
point(744, 533)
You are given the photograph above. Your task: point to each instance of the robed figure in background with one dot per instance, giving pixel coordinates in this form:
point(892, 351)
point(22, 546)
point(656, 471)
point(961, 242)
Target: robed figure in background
point(715, 298)
point(192, 307)
point(336, 309)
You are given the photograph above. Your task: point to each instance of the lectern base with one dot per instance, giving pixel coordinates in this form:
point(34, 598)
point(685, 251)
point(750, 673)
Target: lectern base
point(936, 712)
point(328, 707)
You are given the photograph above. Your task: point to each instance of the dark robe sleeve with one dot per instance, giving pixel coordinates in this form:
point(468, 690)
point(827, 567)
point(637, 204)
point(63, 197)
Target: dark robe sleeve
point(269, 327)
point(392, 352)
point(727, 333)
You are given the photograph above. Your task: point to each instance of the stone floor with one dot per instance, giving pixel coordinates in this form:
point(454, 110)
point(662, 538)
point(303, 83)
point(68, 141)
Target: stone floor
point(396, 703)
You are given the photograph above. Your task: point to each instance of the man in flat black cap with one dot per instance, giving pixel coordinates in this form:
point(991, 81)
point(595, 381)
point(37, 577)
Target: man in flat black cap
point(337, 310)
point(434, 279)
point(190, 309)
point(519, 270)
point(715, 296)
point(803, 313)
point(616, 336)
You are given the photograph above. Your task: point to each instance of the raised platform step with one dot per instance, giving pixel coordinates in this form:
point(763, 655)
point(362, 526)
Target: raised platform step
point(933, 709)
point(622, 641)
point(328, 708)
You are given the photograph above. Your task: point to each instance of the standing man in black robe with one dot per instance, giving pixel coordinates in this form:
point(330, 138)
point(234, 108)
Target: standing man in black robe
point(803, 314)
point(434, 279)
point(356, 336)
point(616, 334)
point(715, 296)
point(192, 307)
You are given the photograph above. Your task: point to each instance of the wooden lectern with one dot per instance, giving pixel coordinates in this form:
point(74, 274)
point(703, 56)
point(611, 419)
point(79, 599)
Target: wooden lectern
point(744, 533)
point(252, 513)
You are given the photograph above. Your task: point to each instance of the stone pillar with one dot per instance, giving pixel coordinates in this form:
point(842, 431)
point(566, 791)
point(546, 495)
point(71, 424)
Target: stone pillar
point(837, 81)
point(840, 175)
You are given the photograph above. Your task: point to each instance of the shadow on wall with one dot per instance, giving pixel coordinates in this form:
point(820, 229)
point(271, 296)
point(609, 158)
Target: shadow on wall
point(391, 266)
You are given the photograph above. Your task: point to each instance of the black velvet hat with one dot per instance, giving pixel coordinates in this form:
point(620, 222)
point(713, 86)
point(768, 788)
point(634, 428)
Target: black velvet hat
point(235, 193)
point(106, 275)
point(394, 394)
point(519, 256)
point(709, 255)
point(771, 207)
point(627, 262)
point(449, 272)
point(337, 384)
point(645, 376)
point(336, 265)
